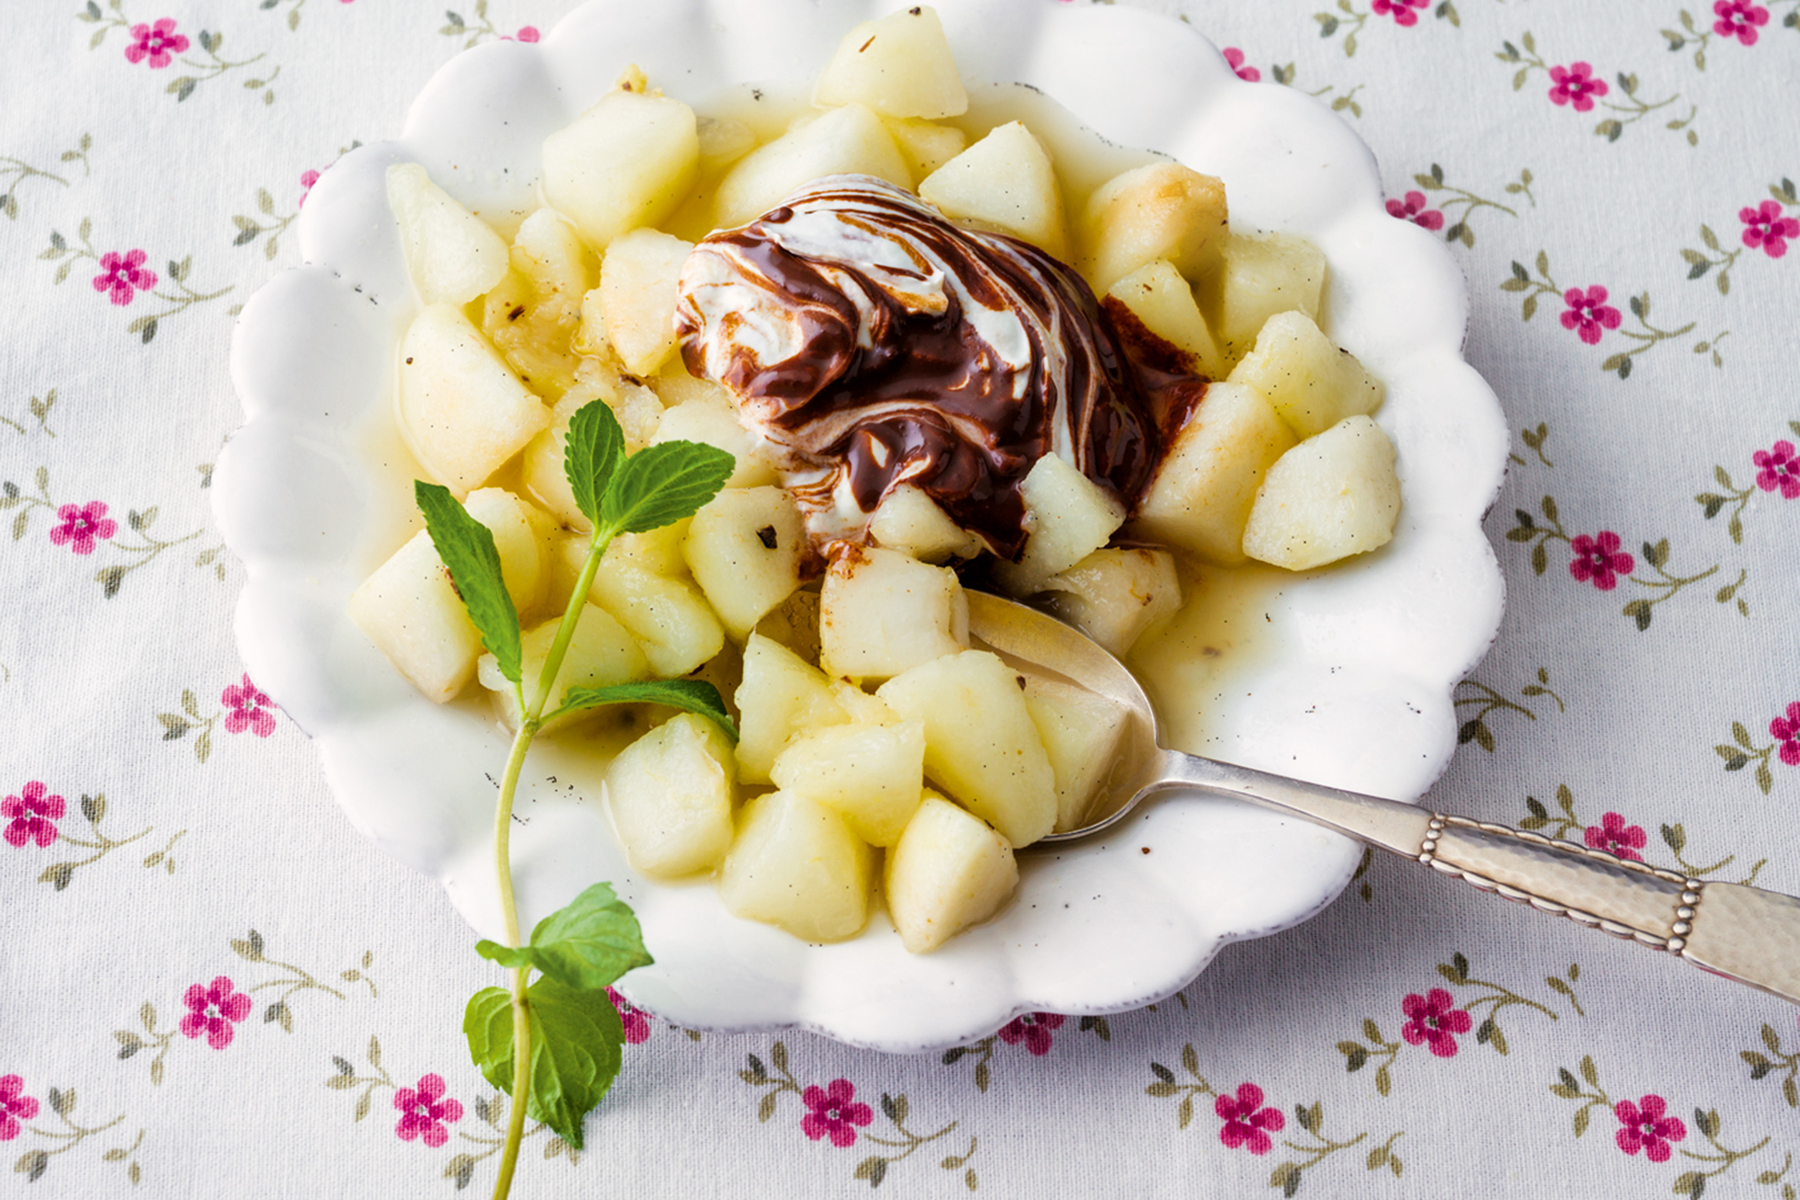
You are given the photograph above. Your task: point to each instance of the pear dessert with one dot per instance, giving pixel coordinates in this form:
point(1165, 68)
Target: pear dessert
point(938, 360)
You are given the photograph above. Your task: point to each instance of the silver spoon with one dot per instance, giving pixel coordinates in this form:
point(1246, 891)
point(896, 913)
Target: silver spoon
point(1743, 933)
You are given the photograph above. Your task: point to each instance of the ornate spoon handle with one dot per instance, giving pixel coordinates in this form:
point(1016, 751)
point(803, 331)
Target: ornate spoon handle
point(1743, 933)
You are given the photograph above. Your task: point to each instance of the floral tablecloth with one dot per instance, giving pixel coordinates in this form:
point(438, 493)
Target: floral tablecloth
point(209, 984)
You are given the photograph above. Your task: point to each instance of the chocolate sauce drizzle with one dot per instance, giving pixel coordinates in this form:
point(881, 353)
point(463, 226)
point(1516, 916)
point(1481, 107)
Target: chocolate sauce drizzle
point(874, 344)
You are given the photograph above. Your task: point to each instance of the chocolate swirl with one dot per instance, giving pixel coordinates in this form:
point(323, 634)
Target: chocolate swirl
point(873, 343)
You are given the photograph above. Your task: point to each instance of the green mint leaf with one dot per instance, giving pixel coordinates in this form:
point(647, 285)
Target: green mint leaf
point(510, 957)
point(591, 455)
point(689, 695)
point(588, 944)
point(576, 1045)
point(467, 548)
point(662, 484)
point(487, 1023)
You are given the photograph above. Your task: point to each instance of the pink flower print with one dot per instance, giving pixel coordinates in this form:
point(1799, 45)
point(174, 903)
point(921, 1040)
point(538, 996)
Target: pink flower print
point(1034, 1030)
point(249, 709)
point(1401, 10)
point(213, 1009)
point(1642, 1126)
point(1588, 312)
point(1235, 59)
point(1434, 1018)
point(121, 274)
point(635, 1020)
point(1765, 227)
point(832, 1110)
point(529, 33)
point(155, 42)
point(81, 524)
point(424, 1112)
point(1614, 836)
point(1415, 209)
point(307, 179)
point(14, 1107)
point(1778, 469)
point(1785, 730)
point(1739, 19)
point(1247, 1122)
point(1575, 84)
point(1599, 560)
point(33, 814)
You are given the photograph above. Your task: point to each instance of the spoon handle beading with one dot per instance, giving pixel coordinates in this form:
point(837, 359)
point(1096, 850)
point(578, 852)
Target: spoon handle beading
point(1742, 933)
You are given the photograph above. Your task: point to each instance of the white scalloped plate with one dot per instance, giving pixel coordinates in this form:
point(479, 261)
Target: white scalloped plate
point(1354, 692)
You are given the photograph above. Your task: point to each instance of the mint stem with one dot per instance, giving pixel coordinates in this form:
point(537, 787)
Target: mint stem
point(529, 723)
point(521, 1086)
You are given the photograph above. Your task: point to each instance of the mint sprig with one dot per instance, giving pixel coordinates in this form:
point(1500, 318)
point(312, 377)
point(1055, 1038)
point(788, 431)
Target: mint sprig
point(575, 1044)
point(689, 695)
point(592, 453)
point(588, 944)
point(565, 1021)
point(467, 548)
point(662, 484)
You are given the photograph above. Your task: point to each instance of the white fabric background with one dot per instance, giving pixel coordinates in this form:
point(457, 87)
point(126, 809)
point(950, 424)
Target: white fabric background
point(83, 677)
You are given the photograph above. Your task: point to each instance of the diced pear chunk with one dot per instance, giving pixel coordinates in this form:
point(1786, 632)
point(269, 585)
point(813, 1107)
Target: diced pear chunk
point(845, 141)
point(949, 871)
point(781, 694)
point(909, 520)
point(1200, 498)
point(899, 65)
point(518, 531)
point(658, 549)
point(671, 795)
point(926, 145)
point(1256, 278)
point(451, 254)
point(530, 335)
point(980, 743)
point(1333, 495)
point(871, 774)
point(541, 466)
point(796, 865)
point(1161, 210)
point(637, 296)
point(744, 549)
point(462, 409)
point(707, 416)
point(1162, 301)
point(723, 140)
point(626, 162)
point(411, 611)
point(672, 623)
point(549, 253)
point(1081, 731)
point(1310, 382)
point(882, 612)
point(1005, 184)
point(600, 654)
point(1067, 517)
point(862, 707)
point(1115, 596)
point(795, 623)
